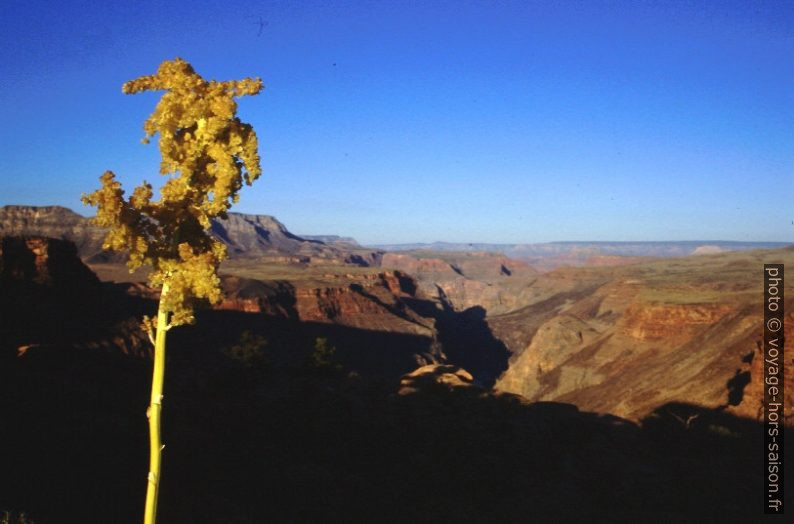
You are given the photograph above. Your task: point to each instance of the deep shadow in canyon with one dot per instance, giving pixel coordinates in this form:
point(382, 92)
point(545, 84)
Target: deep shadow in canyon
point(467, 340)
point(464, 336)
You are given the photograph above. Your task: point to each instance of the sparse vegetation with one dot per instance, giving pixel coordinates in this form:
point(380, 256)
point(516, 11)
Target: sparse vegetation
point(13, 517)
point(323, 356)
point(250, 351)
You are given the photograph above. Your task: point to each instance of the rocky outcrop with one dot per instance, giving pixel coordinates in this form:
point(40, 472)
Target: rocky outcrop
point(435, 376)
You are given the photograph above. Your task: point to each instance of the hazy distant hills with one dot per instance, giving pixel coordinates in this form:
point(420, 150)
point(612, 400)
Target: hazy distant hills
point(632, 249)
point(550, 255)
point(332, 239)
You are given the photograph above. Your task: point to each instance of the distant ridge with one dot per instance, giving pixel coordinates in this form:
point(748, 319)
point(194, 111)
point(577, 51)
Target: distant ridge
point(244, 235)
point(584, 250)
point(247, 235)
point(332, 239)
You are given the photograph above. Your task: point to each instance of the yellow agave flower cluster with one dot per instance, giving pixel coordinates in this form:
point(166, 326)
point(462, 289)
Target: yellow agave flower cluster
point(207, 153)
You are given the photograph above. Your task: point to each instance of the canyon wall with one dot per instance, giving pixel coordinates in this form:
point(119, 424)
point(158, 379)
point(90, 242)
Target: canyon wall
point(626, 340)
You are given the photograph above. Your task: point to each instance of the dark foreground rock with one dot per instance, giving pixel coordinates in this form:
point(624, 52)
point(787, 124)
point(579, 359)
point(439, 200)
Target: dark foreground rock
point(314, 444)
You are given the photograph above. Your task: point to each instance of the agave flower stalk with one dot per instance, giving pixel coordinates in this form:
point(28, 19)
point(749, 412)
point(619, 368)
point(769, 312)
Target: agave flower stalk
point(207, 155)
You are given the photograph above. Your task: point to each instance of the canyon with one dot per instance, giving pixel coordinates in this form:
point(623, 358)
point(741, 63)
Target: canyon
point(620, 335)
point(626, 339)
point(628, 368)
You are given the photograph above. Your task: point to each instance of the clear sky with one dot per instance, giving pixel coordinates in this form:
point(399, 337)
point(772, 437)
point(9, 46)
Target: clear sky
point(421, 121)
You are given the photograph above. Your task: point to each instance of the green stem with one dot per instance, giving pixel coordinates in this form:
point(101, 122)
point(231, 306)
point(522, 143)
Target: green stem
point(154, 412)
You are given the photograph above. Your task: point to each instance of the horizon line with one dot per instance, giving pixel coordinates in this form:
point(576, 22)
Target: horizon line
point(383, 244)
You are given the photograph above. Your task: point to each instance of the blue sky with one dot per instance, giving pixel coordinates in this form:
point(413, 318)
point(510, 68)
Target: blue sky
point(422, 121)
